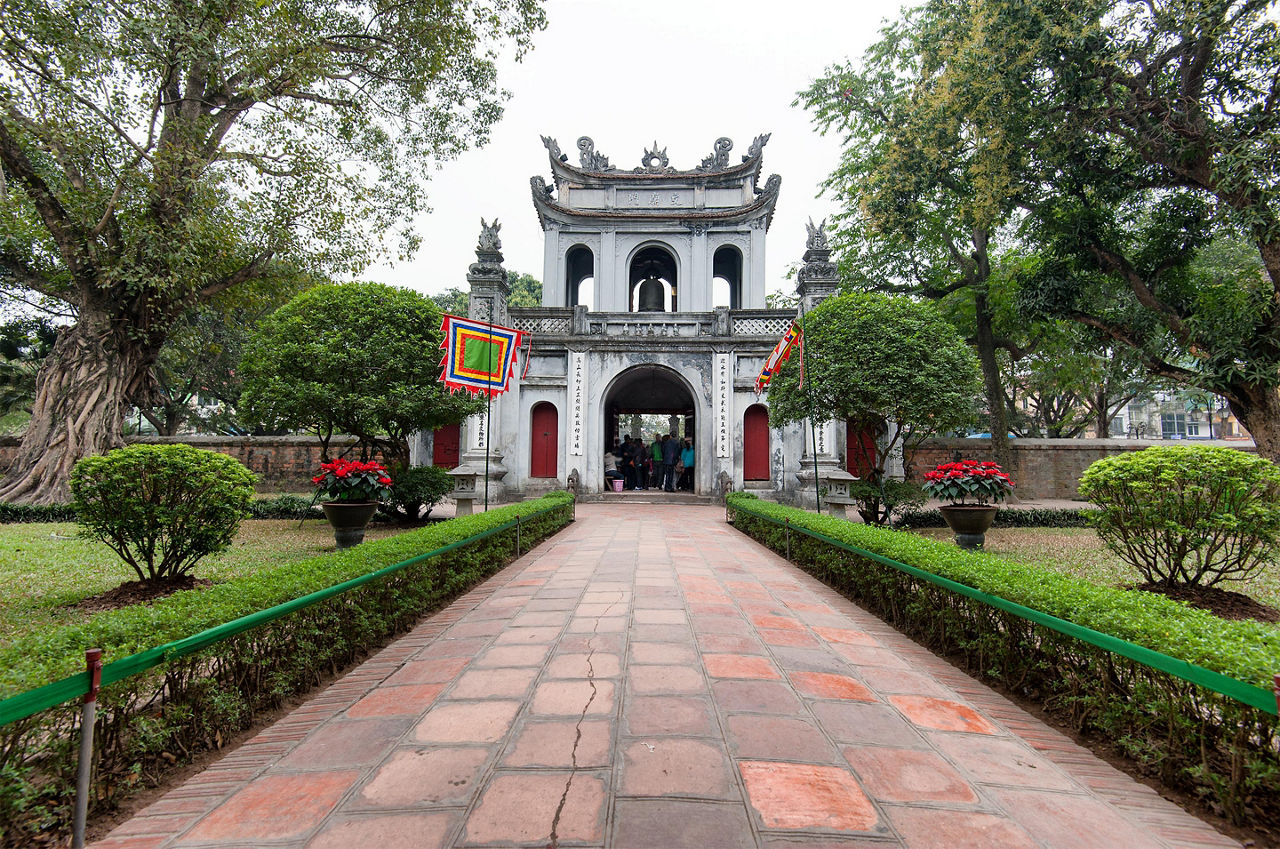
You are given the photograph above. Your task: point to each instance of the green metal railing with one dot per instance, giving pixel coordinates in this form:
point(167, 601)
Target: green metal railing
point(32, 702)
point(1248, 694)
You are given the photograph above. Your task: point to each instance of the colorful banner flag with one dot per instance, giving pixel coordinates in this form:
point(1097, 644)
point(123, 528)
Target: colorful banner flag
point(793, 338)
point(478, 356)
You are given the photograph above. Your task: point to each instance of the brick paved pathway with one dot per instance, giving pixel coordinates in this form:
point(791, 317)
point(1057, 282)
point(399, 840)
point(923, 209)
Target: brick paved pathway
point(652, 678)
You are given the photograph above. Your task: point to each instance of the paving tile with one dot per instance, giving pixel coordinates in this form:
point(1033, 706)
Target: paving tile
point(664, 653)
point(647, 716)
point(806, 796)
point(583, 665)
point(778, 623)
point(997, 760)
point(511, 682)
point(679, 824)
point(276, 807)
point(730, 644)
point(430, 671)
point(416, 777)
point(924, 828)
point(564, 744)
point(846, 636)
point(519, 808)
point(528, 636)
point(777, 738)
point(869, 656)
point(825, 685)
point(573, 697)
point(466, 722)
point(410, 700)
point(672, 766)
point(884, 680)
point(942, 714)
point(857, 722)
point(514, 656)
point(739, 666)
point(660, 617)
point(908, 775)
point(352, 742)
point(796, 639)
point(653, 680)
point(755, 696)
point(449, 647)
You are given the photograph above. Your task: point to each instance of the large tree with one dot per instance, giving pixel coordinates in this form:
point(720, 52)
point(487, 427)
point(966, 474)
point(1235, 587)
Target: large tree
point(916, 218)
point(1137, 133)
point(157, 154)
point(887, 364)
point(355, 358)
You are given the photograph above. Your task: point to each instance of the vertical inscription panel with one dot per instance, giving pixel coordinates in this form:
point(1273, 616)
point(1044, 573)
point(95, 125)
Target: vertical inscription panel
point(724, 395)
point(577, 401)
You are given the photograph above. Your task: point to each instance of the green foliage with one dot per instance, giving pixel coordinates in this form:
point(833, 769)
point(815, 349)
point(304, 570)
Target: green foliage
point(352, 480)
point(982, 481)
point(186, 703)
point(1192, 737)
point(874, 359)
point(880, 502)
point(1187, 514)
point(26, 513)
point(282, 507)
point(161, 507)
point(417, 487)
point(1039, 517)
point(356, 358)
point(157, 156)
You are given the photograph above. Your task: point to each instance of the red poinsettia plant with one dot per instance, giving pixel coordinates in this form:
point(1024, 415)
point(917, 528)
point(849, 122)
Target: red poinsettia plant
point(964, 479)
point(352, 480)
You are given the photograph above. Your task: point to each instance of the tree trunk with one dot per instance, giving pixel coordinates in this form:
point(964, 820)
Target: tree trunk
point(1102, 412)
point(984, 341)
point(82, 391)
point(1259, 412)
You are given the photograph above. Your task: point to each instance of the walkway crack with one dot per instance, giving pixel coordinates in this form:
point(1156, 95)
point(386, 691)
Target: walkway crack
point(554, 842)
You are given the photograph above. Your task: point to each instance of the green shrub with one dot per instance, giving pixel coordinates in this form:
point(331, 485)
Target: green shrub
point(417, 487)
point(1037, 517)
point(283, 507)
point(1186, 515)
point(1191, 736)
point(11, 514)
point(161, 507)
point(187, 703)
point(878, 505)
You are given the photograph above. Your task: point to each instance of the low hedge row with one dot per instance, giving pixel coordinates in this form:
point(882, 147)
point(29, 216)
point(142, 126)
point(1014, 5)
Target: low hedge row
point(1036, 517)
point(150, 720)
point(1190, 736)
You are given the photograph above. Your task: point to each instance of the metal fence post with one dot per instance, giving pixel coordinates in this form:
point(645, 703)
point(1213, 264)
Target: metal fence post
point(517, 535)
point(788, 526)
point(88, 716)
point(1277, 684)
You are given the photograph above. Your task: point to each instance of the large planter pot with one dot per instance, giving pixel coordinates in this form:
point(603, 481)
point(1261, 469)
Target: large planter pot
point(969, 522)
point(349, 519)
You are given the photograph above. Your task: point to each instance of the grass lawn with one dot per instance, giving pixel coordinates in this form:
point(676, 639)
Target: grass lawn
point(1079, 552)
point(45, 567)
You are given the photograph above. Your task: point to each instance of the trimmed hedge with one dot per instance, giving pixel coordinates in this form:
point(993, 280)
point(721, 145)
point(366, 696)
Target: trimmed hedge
point(12, 514)
point(1036, 517)
point(1190, 736)
point(192, 703)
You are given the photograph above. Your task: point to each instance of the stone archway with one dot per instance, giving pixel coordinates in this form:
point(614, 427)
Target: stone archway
point(646, 391)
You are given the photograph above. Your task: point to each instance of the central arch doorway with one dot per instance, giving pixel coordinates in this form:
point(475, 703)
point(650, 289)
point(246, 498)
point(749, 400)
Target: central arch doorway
point(647, 400)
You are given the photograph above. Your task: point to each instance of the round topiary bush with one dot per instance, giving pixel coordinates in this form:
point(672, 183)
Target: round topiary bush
point(161, 507)
point(1187, 515)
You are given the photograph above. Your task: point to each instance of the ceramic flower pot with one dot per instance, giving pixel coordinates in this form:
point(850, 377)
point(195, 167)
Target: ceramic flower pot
point(349, 519)
point(969, 522)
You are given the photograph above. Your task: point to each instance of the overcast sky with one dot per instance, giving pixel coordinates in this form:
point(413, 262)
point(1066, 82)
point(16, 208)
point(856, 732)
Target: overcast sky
point(678, 72)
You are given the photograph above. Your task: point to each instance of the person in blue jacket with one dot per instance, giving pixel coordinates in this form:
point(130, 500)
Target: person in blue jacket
point(686, 460)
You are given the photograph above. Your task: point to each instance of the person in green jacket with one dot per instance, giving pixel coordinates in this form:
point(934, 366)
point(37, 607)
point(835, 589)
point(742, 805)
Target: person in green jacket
point(655, 466)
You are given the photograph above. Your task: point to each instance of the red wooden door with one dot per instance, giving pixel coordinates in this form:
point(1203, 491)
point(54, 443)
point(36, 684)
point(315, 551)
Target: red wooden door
point(444, 446)
point(860, 450)
point(544, 436)
point(755, 443)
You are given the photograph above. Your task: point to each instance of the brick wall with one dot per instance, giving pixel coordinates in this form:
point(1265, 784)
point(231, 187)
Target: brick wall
point(1044, 468)
point(282, 463)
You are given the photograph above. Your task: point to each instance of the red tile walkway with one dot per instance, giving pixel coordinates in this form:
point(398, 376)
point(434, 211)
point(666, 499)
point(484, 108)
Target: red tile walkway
point(652, 678)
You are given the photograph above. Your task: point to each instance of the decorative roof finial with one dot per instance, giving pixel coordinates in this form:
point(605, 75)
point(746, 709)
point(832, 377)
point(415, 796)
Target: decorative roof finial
point(719, 157)
point(654, 160)
point(489, 241)
point(757, 146)
point(817, 236)
point(590, 160)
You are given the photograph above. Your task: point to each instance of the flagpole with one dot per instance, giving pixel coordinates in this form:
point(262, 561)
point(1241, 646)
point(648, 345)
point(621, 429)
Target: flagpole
point(488, 409)
point(813, 427)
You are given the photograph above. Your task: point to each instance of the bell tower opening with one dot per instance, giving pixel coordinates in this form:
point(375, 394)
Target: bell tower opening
point(726, 284)
point(580, 272)
point(652, 281)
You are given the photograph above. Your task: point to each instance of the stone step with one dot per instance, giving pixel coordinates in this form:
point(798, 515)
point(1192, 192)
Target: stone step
point(646, 496)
